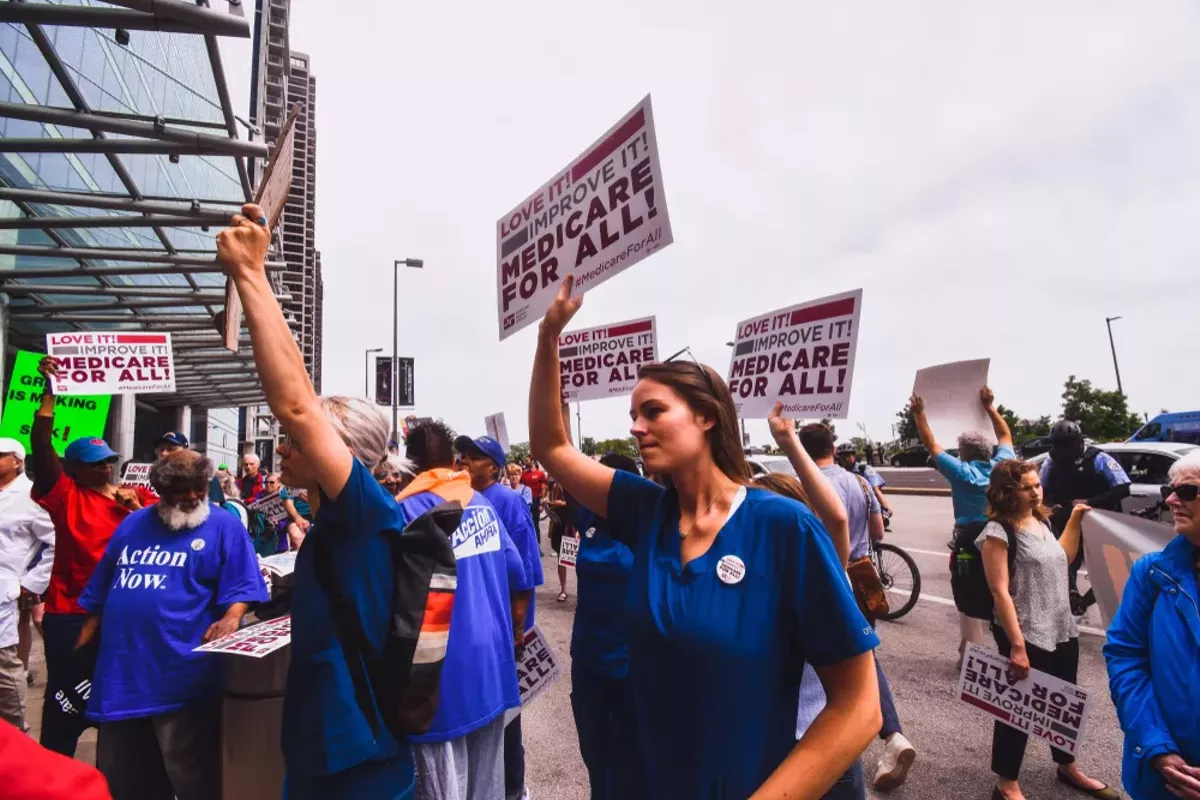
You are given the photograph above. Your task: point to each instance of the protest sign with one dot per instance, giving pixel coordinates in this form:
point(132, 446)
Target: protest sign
point(537, 668)
point(270, 506)
point(802, 355)
point(604, 361)
point(1112, 542)
point(75, 416)
point(951, 395)
point(598, 216)
point(1041, 705)
point(255, 641)
point(112, 363)
point(271, 196)
point(568, 552)
point(136, 474)
point(495, 428)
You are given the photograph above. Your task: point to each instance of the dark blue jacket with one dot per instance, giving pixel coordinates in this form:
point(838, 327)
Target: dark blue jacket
point(1153, 655)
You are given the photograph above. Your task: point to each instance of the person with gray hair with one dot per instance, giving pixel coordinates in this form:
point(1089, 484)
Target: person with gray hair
point(1153, 670)
point(174, 576)
point(333, 746)
point(968, 475)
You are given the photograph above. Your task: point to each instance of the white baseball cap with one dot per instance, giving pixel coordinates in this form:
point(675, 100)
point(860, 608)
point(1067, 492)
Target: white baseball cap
point(12, 446)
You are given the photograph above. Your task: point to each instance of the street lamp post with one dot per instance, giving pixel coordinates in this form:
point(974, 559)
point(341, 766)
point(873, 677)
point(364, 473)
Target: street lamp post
point(367, 371)
point(745, 441)
point(1109, 321)
point(415, 263)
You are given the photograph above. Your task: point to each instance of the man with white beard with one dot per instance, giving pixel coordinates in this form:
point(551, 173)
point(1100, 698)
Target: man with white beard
point(174, 576)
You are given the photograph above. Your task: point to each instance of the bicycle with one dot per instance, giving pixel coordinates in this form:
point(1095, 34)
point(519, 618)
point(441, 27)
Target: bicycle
point(899, 575)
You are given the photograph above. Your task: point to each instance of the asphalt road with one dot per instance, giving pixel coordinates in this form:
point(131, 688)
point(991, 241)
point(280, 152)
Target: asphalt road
point(918, 653)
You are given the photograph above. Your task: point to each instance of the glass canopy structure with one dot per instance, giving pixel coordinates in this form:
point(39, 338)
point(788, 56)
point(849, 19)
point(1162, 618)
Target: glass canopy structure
point(119, 161)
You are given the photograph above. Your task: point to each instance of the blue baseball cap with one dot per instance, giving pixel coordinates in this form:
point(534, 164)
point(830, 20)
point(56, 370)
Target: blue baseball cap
point(484, 445)
point(175, 438)
point(89, 450)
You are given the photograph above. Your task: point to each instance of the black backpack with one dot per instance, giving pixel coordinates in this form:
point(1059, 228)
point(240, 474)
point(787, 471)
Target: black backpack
point(968, 582)
point(406, 677)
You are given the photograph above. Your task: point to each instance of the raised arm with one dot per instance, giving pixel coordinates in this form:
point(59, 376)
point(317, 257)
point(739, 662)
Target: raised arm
point(242, 251)
point(826, 503)
point(924, 432)
point(587, 480)
point(1073, 533)
point(47, 468)
point(999, 425)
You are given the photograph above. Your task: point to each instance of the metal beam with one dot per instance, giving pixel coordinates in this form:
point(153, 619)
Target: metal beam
point(120, 146)
point(111, 221)
point(201, 142)
point(180, 11)
point(87, 17)
point(186, 296)
point(156, 256)
point(121, 271)
point(218, 68)
point(116, 202)
point(159, 320)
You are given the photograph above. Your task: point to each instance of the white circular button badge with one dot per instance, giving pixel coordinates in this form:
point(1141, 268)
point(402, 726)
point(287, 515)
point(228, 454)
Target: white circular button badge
point(731, 569)
point(197, 545)
point(590, 532)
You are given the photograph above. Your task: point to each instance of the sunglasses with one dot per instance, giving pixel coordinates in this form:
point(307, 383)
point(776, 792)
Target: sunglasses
point(1185, 491)
point(712, 387)
point(102, 462)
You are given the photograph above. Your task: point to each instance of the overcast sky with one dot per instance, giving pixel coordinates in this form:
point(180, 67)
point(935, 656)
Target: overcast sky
point(997, 178)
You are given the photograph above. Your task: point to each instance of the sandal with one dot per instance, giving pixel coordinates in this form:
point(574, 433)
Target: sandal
point(1104, 792)
point(562, 597)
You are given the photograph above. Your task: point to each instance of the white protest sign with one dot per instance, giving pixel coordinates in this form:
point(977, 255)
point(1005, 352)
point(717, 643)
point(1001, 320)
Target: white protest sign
point(537, 668)
point(495, 427)
point(136, 474)
point(255, 641)
point(802, 355)
point(951, 395)
point(604, 361)
point(1041, 705)
point(112, 363)
point(601, 214)
point(1112, 542)
point(568, 552)
point(270, 506)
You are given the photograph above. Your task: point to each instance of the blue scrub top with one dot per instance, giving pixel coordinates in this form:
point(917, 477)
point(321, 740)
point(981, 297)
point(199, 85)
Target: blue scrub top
point(717, 648)
point(518, 522)
point(600, 636)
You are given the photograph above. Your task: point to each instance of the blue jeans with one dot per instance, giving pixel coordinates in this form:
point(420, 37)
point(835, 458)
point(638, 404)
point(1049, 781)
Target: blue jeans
point(371, 780)
point(607, 736)
point(60, 730)
point(851, 786)
point(887, 704)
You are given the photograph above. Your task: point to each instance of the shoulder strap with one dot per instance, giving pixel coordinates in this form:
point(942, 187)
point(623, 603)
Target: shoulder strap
point(356, 647)
point(866, 490)
point(1011, 532)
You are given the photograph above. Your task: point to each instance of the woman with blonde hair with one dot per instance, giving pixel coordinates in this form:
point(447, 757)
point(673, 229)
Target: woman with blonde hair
point(1026, 570)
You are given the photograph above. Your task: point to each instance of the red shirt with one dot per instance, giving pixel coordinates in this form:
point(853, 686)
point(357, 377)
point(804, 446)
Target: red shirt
point(535, 479)
point(28, 771)
point(252, 486)
point(84, 521)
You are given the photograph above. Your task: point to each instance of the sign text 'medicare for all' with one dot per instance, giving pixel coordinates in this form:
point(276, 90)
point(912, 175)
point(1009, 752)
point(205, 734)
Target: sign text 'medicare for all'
point(112, 363)
point(604, 361)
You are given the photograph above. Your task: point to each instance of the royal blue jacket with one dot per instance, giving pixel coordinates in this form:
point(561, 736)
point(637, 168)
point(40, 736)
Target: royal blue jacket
point(1153, 655)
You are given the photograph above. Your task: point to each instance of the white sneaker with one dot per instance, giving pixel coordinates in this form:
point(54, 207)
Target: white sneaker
point(898, 756)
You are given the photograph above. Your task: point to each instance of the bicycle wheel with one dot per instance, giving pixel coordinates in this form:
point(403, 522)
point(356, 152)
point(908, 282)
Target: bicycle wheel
point(900, 577)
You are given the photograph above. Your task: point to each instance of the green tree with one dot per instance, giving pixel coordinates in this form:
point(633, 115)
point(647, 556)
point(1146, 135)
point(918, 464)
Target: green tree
point(588, 446)
point(827, 422)
point(906, 429)
point(518, 452)
point(626, 447)
point(1025, 429)
point(1103, 415)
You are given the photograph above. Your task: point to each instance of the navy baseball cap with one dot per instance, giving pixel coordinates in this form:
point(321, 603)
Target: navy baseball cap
point(89, 450)
point(172, 437)
point(484, 445)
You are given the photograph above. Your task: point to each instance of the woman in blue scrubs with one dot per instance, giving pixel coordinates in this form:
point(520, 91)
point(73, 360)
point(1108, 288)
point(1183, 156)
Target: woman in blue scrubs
point(733, 590)
point(603, 712)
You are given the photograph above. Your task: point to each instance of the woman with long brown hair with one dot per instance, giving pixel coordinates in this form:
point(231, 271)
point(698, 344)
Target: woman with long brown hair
point(733, 590)
point(1027, 572)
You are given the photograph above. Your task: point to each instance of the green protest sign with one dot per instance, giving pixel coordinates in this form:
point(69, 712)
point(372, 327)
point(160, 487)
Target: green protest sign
point(75, 416)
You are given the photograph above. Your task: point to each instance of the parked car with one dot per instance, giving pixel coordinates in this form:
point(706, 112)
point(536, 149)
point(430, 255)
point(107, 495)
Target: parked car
point(761, 465)
point(1034, 447)
point(1147, 465)
point(915, 456)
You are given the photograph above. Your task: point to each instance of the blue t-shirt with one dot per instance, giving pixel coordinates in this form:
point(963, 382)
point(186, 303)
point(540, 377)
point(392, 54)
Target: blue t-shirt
point(157, 591)
point(324, 731)
point(514, 515)
point(600, 636)
point(969, 482)
point(479, 675)
point(871, 474)
point(717, 648)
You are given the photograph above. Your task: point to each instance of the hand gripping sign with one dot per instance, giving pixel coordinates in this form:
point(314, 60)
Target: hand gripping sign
point(604, 361)
point(596, 217)
point(537, 668)
point(802, 355)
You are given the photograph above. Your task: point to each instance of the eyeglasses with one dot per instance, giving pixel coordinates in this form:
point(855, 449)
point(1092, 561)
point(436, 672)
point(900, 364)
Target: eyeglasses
point(712, 387)
point(1185, 491)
